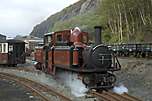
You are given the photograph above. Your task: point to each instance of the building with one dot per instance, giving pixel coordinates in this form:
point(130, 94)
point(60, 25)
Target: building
point(2, 37)
point(31, 41)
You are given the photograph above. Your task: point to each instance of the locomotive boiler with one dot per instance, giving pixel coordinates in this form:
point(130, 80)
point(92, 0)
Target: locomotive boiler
point(70, 51)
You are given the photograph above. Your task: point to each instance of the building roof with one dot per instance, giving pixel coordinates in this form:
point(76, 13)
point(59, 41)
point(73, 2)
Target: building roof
point(2, 35)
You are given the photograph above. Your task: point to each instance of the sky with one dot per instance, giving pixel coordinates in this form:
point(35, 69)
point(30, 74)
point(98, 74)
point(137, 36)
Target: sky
point(18, 17)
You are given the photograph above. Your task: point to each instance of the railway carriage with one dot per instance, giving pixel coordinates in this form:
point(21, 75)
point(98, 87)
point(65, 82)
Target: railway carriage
point(12, 52)
point(132, 49)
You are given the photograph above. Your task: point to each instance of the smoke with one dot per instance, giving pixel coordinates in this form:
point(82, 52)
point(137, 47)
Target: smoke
point(71, 80)
point(120, 89)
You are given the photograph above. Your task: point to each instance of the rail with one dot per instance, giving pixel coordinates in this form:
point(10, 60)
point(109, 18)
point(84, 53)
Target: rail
point(110, 96)
point(40, 89)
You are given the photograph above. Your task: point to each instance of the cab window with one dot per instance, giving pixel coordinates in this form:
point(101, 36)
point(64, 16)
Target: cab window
point(59, 38)
point(85, 39)
point(62, 38)
point(49, 39)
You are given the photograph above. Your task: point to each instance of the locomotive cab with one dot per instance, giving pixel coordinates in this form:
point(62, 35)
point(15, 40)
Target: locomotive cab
point(48, 39)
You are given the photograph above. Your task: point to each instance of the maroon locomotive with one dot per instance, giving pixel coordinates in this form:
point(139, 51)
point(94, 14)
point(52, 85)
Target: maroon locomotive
point(69, 50)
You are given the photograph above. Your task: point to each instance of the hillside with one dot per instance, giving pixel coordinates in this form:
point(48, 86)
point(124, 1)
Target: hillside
point(122, 20)
point(76, 9)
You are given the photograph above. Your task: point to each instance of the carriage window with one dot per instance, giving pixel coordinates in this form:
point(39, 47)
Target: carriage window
point(59, 38)
point(4, 48)
point(10, 48)
point(0, 47)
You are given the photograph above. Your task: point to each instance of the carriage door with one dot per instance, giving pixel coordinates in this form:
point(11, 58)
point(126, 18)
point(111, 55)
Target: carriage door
point(11, 54)
point(19, 49)
point(4, 53)
point(14, 53)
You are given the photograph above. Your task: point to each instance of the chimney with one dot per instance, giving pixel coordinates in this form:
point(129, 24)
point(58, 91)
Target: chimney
point(98, 39)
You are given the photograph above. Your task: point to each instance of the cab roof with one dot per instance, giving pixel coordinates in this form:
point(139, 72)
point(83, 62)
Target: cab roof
point(48, 33)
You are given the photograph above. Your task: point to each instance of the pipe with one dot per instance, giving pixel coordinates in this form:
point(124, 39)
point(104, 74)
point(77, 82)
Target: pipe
point(98, 36)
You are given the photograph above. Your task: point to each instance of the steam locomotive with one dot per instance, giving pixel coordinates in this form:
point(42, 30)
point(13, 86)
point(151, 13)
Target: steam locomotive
point(70, 51)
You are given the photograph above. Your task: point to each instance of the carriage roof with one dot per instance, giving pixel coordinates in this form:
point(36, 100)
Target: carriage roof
point(11, 41)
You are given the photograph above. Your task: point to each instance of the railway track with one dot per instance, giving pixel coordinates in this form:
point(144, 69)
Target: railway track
point(46, 92)
point(42, 90)
point(110, 96)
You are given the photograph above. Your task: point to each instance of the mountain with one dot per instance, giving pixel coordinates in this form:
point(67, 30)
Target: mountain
point(79, 8)
point(126, 21)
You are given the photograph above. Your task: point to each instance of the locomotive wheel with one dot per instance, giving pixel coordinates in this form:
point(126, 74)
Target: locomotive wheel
point(86, 80)
point(111, 78)
point(38, 66)
point(44, 69)
point(143, 55)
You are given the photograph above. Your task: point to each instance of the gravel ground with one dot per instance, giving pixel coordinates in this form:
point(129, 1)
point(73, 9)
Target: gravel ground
point(11, 91)
point(136, 75)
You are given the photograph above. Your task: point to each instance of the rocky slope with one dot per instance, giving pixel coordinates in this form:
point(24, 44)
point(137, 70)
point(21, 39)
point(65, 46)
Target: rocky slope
point(136, 76)
point(78, 8)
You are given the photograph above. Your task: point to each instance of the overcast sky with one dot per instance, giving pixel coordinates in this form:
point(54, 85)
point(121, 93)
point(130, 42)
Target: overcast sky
point(20, 16)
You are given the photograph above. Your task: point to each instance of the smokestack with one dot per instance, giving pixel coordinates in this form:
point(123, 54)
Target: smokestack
point(98, 39)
